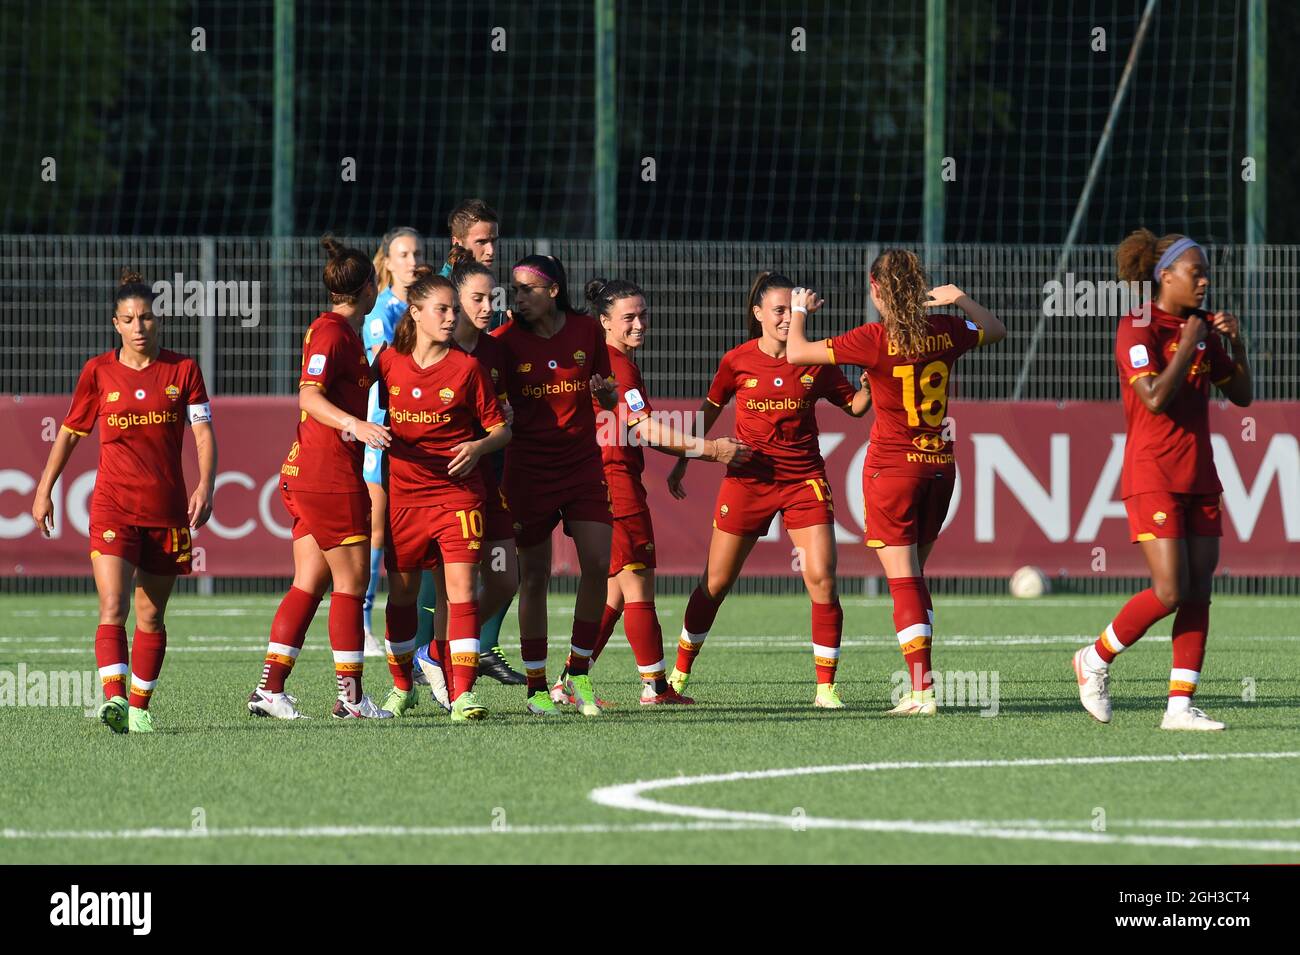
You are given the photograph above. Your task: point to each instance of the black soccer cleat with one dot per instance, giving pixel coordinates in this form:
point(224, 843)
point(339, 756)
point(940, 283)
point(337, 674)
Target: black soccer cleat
point(493, 663)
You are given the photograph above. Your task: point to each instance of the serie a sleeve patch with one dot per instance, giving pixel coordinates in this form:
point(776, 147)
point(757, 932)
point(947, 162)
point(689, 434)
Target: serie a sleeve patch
point(1138, 356)
point(634, 400)
point(316, 364)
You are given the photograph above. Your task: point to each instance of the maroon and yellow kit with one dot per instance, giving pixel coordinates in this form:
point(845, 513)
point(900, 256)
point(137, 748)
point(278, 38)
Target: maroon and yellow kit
point(498, 524)
point(908, 477)
point(321, 480)
point(633, 546)
point(1169, 484)
point(139, 508)
point(430, 412)
point(775, 416)
point(553, 463)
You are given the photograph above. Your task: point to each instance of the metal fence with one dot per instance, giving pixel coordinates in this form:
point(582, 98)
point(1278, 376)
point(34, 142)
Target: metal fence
point(56, 293)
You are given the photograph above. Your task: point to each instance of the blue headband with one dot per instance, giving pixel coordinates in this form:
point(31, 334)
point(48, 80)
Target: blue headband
point(1172, 253)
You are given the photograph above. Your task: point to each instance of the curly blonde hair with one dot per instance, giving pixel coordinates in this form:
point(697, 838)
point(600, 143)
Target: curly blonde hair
point(903, 288)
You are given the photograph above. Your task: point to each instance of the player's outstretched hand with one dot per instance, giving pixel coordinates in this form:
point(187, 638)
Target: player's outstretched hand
point(508, 413)
point(943, 295)
point(43, 514)
point(807, 299)
point(371, 434)
point(675, 480)
point(200, 508)
point(730, 451)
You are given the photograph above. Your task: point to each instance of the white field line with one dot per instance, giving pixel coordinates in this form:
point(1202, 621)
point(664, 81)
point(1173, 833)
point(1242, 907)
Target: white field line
point(630, 796)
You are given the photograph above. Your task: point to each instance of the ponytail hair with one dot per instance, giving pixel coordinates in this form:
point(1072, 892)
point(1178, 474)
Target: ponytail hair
point(1138, 254)
point(903, 289)
point(462, 271)
point(601, 294)
point(347, 272)
point(383, 276)
point(763, 283)
point(131, 284)
point(427, 281)
point(553, 269)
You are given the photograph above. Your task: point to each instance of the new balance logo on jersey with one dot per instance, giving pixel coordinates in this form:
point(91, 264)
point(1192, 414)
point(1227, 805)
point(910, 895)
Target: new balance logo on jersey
point(114, 395)
point(524, 368)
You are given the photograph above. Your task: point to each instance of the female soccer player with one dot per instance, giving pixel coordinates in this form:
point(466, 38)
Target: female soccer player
point(557, 364)
point(140, 525)
point(907, 479)
point(323, 490)
point(621, 307)
point(775, 416)
point(400, 251)
point(438, 399)
point(1168, 357)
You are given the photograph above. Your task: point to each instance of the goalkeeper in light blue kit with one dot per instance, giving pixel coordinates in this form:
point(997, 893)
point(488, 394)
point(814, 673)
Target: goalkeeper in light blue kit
point(400, 251)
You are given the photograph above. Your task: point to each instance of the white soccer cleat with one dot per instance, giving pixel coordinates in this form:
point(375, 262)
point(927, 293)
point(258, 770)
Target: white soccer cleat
point(434, 679)
point(1094, 687)
point(363, 709)
point(280, 706)
point(374, 648)
point(1190, 719)
point(916, 703)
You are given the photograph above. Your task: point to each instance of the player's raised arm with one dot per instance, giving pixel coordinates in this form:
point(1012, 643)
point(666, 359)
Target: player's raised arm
point(990, 325)
point(798, 349)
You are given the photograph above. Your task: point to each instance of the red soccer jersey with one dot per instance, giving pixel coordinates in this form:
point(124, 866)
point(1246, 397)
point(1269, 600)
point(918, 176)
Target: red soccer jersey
point(547, 381)
point(909, 394)
point(624, 461)
point(430, 411)
point(494, 357)
point(140, 480)
point(1170, 451)
point(324, 459)
point(774, 410)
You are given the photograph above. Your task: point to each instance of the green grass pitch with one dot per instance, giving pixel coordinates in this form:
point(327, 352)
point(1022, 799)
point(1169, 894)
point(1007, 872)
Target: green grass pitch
point(1037, 782)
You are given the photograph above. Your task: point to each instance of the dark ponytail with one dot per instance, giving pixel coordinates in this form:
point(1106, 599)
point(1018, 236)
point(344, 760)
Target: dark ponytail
point(427, 281)
point(763, 283)
point(347, 272)
point(463, 271)
point(601, 294)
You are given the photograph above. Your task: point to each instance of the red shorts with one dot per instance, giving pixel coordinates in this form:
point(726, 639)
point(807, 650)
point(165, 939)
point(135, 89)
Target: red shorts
point(536, 513)
point(164, 551)
point(903, 509)
point(746, 506)
point(633, 547)
point(1162, 514)
point(498, 524)
point(332, 518)
point(416, 538)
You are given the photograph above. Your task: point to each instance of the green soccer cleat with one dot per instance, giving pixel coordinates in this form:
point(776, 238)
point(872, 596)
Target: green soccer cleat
point(467, 707)
point(541, 704)
point(401, 702)
point(140, 720)
point(678, 680)
point(112, 713)
point(827, 697)
point(583, 696)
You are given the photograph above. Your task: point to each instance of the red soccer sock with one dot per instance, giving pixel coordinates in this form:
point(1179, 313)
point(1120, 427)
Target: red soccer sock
point(462, 647)
point(288, 631)
point(147, 650)
point(647, 640)
point(399, 641)
point(533, 651)
point(1133, 620)
point(111, 658)
point(583, 642)
point(827, 627)
point(608, 621)
point(701, 610)
point(1191, 627)
point(912, 624)
point(348, 642)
